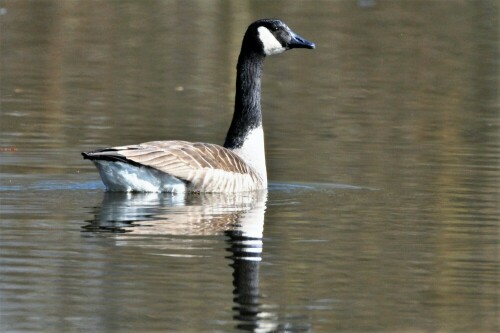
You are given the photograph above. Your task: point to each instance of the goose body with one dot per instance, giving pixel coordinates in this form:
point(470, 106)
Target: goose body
point(181, 166)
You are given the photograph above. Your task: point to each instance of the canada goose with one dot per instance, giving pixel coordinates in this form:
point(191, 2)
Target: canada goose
point(180, 166)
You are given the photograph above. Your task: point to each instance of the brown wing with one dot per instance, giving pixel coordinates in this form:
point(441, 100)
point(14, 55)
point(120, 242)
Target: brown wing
point(207, 167)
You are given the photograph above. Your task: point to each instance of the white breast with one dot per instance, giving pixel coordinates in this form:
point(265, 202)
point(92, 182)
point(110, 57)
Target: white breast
point(253, 152)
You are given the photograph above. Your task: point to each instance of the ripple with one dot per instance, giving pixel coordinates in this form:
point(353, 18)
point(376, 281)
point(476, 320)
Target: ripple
point(64, 185)
point(288, 187)
point(54, 185)
point(57, 185)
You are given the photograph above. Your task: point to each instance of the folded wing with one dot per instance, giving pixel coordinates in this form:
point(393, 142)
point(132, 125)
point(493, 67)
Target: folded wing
point(203, 166)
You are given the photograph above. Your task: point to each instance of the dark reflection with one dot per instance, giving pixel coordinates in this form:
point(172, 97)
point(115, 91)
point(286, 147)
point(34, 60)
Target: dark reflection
point(251, 313)
point(246, 256)
point(240, 217)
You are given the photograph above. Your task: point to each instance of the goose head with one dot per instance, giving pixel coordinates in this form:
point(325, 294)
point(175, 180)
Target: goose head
point(272, 36)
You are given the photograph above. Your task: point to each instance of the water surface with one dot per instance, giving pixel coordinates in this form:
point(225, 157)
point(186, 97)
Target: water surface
point(382, 150)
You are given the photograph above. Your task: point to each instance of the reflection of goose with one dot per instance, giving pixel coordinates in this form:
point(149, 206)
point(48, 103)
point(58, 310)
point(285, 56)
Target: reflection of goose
point(240, 217)
point(179, 166)
point(193, 214)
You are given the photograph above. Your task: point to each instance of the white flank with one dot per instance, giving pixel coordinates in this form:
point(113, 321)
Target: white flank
point(123, 177)
point(253, 152)
point(271, 44)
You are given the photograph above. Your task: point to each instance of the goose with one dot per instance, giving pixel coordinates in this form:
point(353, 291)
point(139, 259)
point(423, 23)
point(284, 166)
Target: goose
point(181, 166)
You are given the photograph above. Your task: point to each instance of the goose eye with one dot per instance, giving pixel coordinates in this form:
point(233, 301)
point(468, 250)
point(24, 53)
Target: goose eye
point(274, 28)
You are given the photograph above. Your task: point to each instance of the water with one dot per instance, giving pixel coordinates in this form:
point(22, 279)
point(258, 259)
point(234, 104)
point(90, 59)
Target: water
point(382, 149)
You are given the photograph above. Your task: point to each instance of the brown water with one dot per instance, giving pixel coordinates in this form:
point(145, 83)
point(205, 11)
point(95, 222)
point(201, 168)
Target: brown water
point(383, 150)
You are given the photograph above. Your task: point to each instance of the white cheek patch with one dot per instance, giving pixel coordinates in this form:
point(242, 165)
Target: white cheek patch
point(271, 44)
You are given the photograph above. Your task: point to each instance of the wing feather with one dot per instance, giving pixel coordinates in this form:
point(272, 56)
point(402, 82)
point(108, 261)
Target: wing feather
point(204, 166)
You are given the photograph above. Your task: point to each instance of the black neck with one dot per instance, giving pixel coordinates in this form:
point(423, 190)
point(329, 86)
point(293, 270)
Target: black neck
point(247, 114)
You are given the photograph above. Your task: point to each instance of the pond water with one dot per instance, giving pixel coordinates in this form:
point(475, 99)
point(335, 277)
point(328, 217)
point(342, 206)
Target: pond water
point(382, 150)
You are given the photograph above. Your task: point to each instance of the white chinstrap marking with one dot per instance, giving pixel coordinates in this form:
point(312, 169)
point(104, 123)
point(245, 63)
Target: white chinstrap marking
point(271, 44)
point(253, 152)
